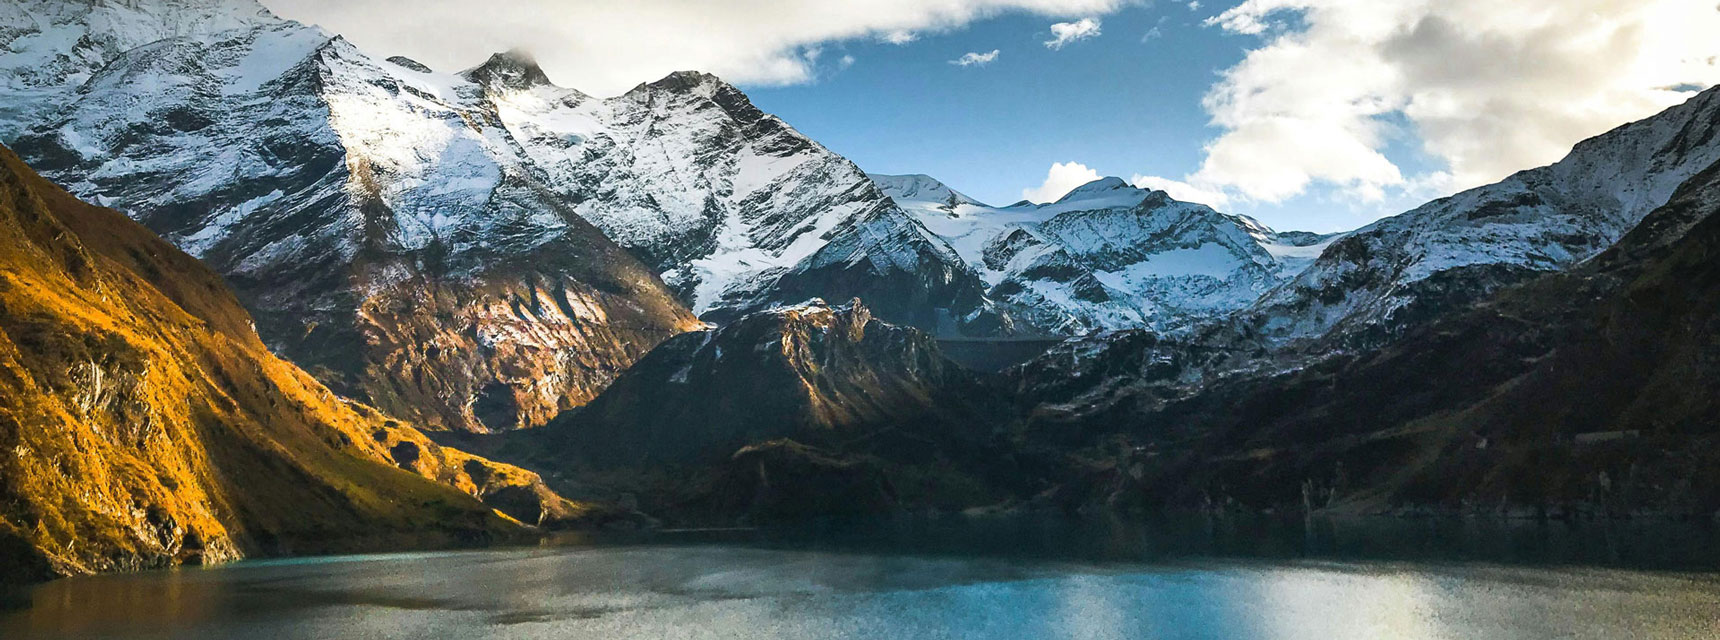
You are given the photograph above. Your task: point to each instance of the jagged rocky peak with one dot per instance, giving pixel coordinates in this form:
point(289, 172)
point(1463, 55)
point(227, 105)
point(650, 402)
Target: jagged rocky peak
point(408, 63)
point(1371, 289)
point(513, 69)
point(682, 87)
point(687, 82)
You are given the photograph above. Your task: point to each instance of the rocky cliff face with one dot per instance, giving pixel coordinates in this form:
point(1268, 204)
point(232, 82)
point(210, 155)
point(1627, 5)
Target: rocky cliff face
point(145, 424)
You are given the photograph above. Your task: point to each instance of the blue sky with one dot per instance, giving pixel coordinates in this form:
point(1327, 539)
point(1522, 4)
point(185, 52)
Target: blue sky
point(1307, 114)
point(1121, 103)
point(1112, 102)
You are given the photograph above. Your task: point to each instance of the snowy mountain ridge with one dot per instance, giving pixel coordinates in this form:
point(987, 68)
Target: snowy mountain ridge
point(49, 47)
point(1464, 246)
point(376, 206)
point(383, 228)
point(1108, 255)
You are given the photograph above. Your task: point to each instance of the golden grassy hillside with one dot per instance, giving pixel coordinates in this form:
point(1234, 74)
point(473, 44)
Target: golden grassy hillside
point(143, 423)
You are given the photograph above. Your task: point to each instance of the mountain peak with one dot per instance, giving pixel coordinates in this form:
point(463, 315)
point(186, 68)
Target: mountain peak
point(1097, 188)
point(919, 187)
point(686, 82)
point(408, 63)
point(514, 69)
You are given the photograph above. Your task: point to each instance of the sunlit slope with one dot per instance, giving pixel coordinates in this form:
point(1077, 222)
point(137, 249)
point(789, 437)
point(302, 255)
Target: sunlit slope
point(142, 422)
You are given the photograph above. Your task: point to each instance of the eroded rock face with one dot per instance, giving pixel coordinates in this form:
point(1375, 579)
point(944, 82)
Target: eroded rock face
point(144, 424)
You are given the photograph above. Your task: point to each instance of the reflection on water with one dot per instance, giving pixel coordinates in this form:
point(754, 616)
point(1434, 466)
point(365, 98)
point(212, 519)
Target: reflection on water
point(940, 579)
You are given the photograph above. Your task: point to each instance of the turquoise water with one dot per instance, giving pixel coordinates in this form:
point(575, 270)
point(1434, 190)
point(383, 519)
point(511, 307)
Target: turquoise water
point(718, 589)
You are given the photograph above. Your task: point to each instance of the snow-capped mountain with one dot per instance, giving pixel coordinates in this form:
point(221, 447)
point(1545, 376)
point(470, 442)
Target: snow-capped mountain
point(383, 225)
point(1371, 287)
point(50, 47)
point(1390, 274)
point(425, 240)
point(735, 208)
point(1108, 255)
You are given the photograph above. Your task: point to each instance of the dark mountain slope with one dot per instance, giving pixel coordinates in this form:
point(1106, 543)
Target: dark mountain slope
point(1590, 391)
point(783, 410)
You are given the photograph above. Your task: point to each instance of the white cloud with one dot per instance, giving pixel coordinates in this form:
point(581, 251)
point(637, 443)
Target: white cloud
point(1059, 181)
point(1152, 34)
point(1194, 5)
point(1183, 191)
point(975, 59)
point(845, 61)
point(608, 47)
point(1486, 87)
point(899, 37)
point(1064, 33)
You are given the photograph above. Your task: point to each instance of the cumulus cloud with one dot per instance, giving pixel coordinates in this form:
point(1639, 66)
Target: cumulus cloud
point(1485, 87)
point(1059, 181)
point(607, 47)
point(975, 59)
point(1064, 33)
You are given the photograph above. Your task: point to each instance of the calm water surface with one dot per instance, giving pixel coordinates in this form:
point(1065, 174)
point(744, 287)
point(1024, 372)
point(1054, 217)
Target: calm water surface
point(954, 582)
